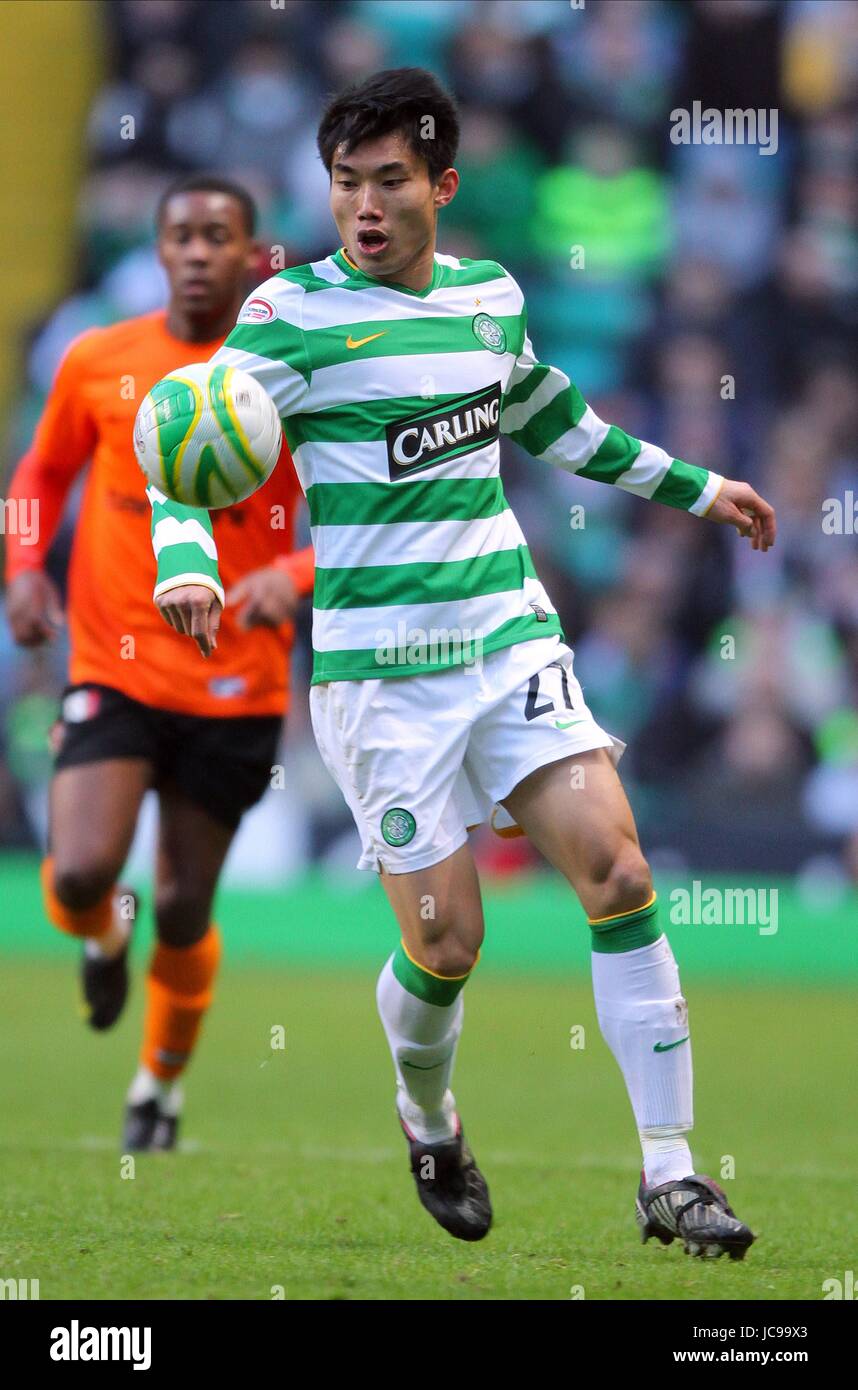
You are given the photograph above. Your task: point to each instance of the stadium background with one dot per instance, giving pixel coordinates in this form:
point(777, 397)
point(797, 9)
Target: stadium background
point(703, 265)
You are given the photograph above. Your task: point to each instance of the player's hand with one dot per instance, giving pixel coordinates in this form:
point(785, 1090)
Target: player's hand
point(264, 598)
point(738, 505)
point(33, 608)
point(193, 610)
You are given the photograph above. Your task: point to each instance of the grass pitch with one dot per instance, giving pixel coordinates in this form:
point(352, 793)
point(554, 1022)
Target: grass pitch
point(293, 1176)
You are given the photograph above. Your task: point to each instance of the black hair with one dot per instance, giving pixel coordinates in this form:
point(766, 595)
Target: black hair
point(397, 99)
point(209, 183)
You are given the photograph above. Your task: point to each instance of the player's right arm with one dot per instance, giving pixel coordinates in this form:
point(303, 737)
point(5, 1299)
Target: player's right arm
point(188, 591)
point(63, 443)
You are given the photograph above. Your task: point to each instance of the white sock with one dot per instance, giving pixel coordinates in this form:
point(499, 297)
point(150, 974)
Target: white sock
point(641, 1012)
point(666, 1155)
point(423, 1040)
point(147, 1086)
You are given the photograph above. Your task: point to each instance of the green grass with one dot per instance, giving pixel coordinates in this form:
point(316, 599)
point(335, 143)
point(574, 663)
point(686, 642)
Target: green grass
point(534, 926)
point(294, 1172)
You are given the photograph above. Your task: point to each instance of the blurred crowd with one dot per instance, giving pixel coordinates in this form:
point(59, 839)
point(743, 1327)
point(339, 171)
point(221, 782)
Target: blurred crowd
point(702, 296)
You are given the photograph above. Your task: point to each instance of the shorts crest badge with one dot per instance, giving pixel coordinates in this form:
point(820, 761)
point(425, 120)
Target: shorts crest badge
point(398, 826)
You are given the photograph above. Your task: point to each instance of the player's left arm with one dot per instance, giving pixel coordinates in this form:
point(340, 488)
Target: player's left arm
point(545, 413)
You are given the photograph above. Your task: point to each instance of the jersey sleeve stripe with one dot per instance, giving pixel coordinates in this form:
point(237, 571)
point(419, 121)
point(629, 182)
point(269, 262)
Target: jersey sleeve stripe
point(170, 531)
point(178, 581)
point(549, 388)
point(277, 342)
point(526, 386)
point(574, 449)
point(547, 429)
point(616, 458)
point(689, 487)
point(284, 385)
point(183, 556)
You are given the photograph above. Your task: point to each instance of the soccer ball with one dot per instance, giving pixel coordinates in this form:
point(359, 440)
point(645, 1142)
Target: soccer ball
point(207, 435)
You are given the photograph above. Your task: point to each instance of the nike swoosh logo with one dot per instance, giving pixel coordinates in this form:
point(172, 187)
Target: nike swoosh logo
point(567, 723)
point(415, 1067)
point(666, 1047)
point(359, 342)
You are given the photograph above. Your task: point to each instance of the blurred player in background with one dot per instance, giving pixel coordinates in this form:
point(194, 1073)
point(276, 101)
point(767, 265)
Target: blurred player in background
point(143, 709)
point(413, 534)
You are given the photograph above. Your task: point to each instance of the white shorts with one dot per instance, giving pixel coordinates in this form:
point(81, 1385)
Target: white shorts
point(421, 759)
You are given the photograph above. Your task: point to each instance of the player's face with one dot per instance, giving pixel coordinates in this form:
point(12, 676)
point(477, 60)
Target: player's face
point(384, 205)
point(206, 250)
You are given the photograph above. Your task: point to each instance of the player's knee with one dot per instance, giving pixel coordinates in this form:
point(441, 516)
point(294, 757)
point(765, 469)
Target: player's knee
point(449, 957)
point(628, 883)
point(83, 884)
point(181, 914)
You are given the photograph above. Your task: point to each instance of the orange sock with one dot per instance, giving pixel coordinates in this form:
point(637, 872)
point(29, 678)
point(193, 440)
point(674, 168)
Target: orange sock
point(77, 921)
point(179, 989)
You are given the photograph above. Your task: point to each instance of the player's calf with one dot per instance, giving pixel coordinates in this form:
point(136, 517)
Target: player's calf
point(179, 990)
point(422, 1015)
point(420, 987)
point(421, 1007)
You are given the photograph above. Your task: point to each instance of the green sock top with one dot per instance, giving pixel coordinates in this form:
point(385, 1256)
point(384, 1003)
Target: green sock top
point(627, 930)
point(424, 984)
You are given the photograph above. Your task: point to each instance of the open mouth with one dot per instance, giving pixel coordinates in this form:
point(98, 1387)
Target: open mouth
point(371, 241)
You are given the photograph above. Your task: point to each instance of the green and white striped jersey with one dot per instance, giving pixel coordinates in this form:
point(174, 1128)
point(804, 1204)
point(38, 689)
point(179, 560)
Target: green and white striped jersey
point(392, 402)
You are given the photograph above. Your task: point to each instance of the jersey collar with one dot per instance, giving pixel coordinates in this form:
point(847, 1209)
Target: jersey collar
point(342, 259)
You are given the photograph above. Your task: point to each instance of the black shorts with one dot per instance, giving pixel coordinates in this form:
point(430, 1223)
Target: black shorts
point(222, 764)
